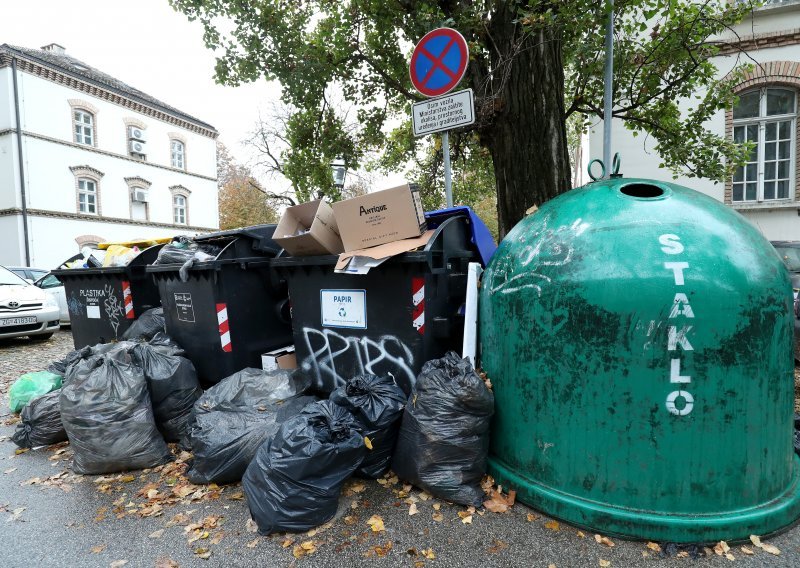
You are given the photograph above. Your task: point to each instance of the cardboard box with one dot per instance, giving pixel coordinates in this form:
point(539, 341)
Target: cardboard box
point(309, 229)
point(283, 358)
point(380, 217)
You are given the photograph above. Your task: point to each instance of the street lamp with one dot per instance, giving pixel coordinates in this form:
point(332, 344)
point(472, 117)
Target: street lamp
point(339, 172)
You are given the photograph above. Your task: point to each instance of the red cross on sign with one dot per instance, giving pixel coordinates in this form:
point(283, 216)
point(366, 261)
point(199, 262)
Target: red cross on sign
point(439, 62)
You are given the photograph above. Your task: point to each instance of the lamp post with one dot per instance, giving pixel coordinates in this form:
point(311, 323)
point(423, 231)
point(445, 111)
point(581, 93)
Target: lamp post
point(339, 169)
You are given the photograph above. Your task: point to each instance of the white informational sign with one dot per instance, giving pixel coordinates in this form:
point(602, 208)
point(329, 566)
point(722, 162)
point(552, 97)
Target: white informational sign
point(93, 312)
point(443, 113)
point(344, 308)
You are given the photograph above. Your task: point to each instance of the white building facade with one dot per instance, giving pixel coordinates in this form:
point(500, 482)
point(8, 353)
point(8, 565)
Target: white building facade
point(767, 190)
point(91, 159)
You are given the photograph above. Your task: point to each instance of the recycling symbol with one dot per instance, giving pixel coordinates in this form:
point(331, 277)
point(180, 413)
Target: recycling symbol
point(342, 312)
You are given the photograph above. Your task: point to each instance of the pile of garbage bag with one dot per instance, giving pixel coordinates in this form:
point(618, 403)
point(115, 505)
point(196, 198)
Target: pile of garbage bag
point(41, 422)
point(234, 417)
point(146, 326)
point(106, 411)
point(444, 438)
point(185, 251)
point(293, 484)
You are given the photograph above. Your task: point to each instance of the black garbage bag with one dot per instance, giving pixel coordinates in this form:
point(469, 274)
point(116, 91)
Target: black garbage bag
point(146, 326)
point(86, 355)
point(174, 388)
point(234, 417)
point(165, 344)
point(60, 367)
point(377, 403)
point(41, 422)
point(444, 437)
point(186, 252)
point(293, 484)
point(105, 409)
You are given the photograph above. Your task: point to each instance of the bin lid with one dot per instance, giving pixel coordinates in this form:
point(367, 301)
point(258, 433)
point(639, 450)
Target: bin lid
point(261, 235)
point(481, 236)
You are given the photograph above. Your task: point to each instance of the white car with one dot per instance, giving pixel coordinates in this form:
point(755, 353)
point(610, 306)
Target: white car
point(26, 310)
point(53, 286)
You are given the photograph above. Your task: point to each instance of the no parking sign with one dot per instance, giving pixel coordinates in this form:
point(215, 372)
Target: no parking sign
point(439, 62)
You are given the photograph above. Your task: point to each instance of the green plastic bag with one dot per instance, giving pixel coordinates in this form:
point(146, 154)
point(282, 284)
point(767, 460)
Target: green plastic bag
point(31, 385)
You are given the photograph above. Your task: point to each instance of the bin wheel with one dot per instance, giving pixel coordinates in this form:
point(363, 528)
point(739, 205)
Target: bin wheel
point(42, 337)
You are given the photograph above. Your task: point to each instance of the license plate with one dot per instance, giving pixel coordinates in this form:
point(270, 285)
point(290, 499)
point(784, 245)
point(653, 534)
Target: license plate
point(16, 321)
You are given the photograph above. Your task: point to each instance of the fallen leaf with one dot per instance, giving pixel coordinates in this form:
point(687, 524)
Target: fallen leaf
point(755, 540)
point(15, 514)
point(203, 553)
point(304, 548)
point(745, 550)
point(127, 478)
point(376, 523)
point(438, 517)
point(98, 549)
point(654, 546)
point(412, 510)
point(428, 553)
point(118, 563)
point(152, 494)
point(164, 562)
point(238, 496)
point(156, 534)
point(287, 542)
point(682, 554)
point(771, 549)
point(251, 526)
point(552, 525)
point(252, 544)
point(437, 506)
point(179, 519)
point(31, 481)
point(497, 546)
point(532, 517)
point(730, 556)
point(605, 563)
point(368, 443)
point(425, 495)
point(580, 534)
point(217, 538)
point(722, 547)
point(603, 540)
point(20, 451)
point(382, 551)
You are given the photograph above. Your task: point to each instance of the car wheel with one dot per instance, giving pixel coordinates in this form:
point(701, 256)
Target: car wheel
point(42, 337)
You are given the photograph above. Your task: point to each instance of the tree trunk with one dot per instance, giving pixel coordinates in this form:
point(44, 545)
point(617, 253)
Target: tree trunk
point(527, 135)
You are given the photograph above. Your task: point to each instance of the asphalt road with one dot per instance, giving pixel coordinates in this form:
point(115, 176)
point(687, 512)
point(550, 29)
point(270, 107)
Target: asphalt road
point(52, 517)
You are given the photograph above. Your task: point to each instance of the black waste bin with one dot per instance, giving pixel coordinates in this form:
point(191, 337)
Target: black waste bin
point(103, 302)
point(393, 319)
point(231, 309)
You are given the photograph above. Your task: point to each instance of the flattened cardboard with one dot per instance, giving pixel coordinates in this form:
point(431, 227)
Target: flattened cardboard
point(381, 217)
point(386, 250)
point(323, 233)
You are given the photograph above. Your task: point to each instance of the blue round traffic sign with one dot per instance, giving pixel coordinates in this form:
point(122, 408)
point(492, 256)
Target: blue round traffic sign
point(439, 62)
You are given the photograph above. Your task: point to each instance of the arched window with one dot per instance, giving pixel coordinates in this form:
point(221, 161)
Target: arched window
point(179, 209)
point(765, 117)
point(87, 196)
point(178, 153)
point(83, 122)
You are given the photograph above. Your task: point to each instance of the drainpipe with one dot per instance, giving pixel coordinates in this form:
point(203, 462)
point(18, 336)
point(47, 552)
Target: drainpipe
point(21, 164)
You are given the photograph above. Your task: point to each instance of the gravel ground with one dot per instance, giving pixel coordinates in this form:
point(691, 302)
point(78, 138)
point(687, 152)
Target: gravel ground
point(52, 517)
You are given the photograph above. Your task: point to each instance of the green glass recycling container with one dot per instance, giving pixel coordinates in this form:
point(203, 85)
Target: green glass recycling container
point(638, 335)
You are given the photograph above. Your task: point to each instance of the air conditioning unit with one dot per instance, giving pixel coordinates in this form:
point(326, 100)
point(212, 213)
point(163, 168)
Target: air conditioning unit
point(139, 195)
point(136, 133)
point(136, 147)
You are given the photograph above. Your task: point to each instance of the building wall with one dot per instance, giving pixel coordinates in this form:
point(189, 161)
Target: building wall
point(49, 151)
point(640, 158)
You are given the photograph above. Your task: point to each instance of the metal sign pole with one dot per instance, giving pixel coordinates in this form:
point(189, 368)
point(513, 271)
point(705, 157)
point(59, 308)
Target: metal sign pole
point(609, 91)
point(448, 183)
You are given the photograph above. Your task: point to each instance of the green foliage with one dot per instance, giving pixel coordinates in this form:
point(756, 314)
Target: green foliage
point(358, 50)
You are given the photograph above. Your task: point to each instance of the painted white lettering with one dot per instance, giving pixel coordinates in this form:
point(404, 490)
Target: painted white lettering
point(675, 373)
point(688, 403)
point(671, 244)
point(677, 269)
point(678, 337)
point(681, 307)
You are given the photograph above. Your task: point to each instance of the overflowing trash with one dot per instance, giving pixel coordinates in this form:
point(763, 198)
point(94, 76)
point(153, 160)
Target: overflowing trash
point(444, 438)
point(186, 252)
point(233, 418)
point(147, 326)
point(31, 385)
point(40, 422)
point(378, 404)
point(293, 484)
point(60, 367)
point(174, 388)
point(106, 412)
